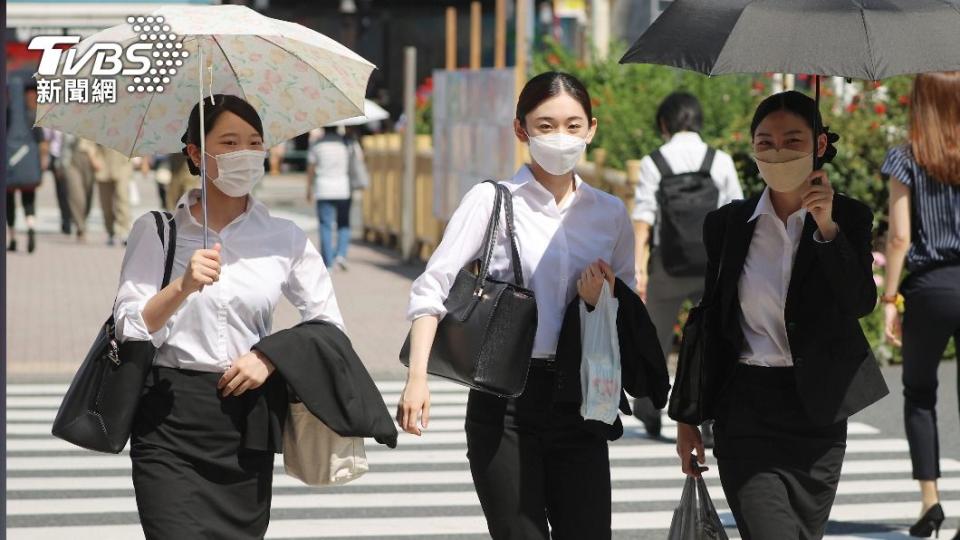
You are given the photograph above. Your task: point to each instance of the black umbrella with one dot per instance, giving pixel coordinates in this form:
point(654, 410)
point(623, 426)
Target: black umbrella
point(862, 39)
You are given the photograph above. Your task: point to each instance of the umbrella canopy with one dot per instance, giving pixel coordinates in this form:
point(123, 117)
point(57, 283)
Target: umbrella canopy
point(371, 113)
point(862, 39)
point(295, 78)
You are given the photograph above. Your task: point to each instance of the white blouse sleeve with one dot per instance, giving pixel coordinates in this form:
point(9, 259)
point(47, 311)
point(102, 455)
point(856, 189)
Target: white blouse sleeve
point(140, 277)
point(624, 250)
point(645, 197)
point(308, 286)
point(460, 245)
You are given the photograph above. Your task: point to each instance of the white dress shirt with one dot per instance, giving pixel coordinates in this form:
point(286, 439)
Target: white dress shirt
point(684, 152)
point(764, 284)
point(262, 257)
point(556, 244)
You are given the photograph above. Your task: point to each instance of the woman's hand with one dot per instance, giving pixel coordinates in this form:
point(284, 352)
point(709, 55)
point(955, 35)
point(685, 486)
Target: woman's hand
point(248, 372)
point(818, 200)
point(643, 278)
point(688, 441)
point(590, 284)
point(203, 268)
point(892, 330)
point(414, 402)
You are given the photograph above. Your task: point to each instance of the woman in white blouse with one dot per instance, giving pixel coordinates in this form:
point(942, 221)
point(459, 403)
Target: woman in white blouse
point(532, 462)
point(198, 471)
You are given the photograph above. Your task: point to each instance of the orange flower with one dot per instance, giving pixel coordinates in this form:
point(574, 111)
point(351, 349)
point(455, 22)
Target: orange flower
point(880, 108)
point(553, 59)
point(904, 100)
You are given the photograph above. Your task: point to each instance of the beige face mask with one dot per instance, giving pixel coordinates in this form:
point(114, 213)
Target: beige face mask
point(784, 170)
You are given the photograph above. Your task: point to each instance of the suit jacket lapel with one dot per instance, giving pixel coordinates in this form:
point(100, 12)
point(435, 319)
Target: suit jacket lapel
point(738, 238)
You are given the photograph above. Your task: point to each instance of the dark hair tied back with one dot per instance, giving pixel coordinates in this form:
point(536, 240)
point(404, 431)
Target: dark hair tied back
point(801, 105)
point(211, 111)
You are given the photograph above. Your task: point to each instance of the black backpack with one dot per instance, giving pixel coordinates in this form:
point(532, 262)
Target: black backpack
point(684, 200)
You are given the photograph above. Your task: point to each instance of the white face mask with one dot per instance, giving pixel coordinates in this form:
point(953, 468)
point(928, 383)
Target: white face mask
point(784, 170)
point(557, 153)
point(239, 171)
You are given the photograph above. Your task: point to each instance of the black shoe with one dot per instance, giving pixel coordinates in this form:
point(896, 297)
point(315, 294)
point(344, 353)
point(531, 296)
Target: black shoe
point(929, 523)
point(65, 228)
point(650, 417)
point(13, 245)
point(706, 434)
point(31, 241)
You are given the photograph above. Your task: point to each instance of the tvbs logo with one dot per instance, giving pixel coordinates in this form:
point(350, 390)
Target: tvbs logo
point(107, 58)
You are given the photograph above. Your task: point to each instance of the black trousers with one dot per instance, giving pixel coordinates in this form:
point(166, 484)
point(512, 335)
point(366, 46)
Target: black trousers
point(533, 464)
point(779, 471)
point(931, 315)
point(192, 478)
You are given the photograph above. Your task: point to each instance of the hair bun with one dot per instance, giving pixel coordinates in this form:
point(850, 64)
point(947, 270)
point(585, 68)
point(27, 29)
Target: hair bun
point(831, 151)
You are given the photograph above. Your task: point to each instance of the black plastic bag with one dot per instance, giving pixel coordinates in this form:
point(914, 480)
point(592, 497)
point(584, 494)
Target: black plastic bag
point(695, 518)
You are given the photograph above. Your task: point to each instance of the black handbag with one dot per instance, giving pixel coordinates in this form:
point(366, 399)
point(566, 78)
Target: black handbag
point(485, 341)
point(98, 409)
point(692, 397)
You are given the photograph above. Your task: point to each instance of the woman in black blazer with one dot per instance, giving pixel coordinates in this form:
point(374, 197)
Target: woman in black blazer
point(788, 277)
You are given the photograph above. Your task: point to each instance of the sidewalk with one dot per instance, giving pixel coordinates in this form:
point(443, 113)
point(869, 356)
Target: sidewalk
point(58, 296)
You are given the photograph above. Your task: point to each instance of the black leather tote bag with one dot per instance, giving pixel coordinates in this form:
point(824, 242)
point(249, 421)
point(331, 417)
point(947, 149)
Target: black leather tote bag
point(98, 409)
point(486, 338)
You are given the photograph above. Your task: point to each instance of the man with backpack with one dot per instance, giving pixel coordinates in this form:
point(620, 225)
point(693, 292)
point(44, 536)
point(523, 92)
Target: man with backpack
point(680, 183)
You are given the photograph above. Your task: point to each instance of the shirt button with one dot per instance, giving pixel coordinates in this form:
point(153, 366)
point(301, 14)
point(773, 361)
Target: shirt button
point(798, 362)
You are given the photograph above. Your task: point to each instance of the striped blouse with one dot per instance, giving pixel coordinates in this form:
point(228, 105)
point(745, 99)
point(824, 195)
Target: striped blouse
point(935, 212)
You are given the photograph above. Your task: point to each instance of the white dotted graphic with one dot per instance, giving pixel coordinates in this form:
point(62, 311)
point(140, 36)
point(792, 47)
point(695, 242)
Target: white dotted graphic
point(165, 46)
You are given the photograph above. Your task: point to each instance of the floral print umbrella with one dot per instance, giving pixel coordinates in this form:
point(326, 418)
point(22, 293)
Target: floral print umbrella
point(297, 79)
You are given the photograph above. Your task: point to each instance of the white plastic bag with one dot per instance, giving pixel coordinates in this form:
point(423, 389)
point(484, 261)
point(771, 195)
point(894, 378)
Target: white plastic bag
point(600, 359)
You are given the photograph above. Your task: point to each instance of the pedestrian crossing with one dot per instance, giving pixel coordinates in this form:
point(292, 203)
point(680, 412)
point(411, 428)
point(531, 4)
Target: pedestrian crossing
point(423, 487)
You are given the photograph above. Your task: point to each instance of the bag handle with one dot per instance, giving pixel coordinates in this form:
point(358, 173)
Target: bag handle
point(169, 242)
point(503, 199)
point(512, 235)
point(489, 240)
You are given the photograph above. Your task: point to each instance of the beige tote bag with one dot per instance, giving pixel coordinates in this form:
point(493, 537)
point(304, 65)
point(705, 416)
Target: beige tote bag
point(314, 454)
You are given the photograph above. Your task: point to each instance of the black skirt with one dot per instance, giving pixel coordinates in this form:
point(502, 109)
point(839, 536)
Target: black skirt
point(191, 474)
point(779, 471)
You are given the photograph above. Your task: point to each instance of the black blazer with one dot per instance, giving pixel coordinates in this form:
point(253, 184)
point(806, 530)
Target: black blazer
point(319, 365)
point(643, 369)
point(831, 287)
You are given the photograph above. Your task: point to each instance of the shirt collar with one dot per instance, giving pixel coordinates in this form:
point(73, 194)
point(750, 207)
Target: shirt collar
point(524, 180)
point(192, 196)
point(683, 137)
point(765, 206)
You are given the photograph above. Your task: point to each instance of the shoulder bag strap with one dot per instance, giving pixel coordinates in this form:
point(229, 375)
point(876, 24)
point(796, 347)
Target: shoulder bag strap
point(512, 235)
point(661, 164)
point(708, 161)
point(166, 223)
point(490, 238)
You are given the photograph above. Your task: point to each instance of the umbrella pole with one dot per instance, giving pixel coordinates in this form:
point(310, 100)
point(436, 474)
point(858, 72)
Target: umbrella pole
point(816, 123)
point(203, 149)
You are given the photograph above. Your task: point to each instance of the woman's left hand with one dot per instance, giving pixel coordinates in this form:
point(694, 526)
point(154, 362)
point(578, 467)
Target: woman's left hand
point(590, 284)
point(248, 372)
point(818, 200)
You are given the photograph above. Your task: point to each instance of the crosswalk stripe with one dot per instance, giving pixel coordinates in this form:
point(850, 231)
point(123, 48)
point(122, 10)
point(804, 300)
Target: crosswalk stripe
point(623, 451)
point(399, 499)
point(88, 484)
